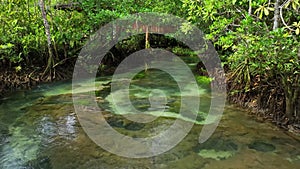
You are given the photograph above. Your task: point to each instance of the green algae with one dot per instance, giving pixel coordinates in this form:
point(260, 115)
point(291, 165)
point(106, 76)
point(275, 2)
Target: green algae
point(121, 103)
point(217, 155)
point(78, 87)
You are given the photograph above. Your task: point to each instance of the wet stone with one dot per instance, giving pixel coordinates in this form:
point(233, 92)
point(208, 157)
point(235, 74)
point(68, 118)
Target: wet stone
point(261, 146)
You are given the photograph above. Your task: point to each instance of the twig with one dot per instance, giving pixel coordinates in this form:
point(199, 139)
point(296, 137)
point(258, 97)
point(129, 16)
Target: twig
point(282, 19)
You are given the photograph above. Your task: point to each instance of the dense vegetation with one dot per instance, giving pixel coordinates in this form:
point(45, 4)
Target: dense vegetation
point(258, 42)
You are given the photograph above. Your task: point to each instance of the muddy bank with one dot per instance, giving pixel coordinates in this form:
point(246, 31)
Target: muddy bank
point(266, 103)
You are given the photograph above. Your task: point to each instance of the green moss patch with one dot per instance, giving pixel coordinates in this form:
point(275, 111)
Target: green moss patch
point(217, 155)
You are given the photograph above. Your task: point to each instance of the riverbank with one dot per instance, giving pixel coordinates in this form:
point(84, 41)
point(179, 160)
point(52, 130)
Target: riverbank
point(264, 105)
point(12, 80)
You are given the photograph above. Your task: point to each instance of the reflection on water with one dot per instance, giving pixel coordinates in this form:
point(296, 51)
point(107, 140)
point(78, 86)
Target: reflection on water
point(39, 129)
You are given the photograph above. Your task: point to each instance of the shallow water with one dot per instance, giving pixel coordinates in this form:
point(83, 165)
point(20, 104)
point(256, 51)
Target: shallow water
point(39, 129)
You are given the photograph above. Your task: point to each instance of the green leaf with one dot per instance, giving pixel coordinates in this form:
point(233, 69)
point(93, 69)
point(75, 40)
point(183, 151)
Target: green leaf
point(257, 10)
point(266, 11)
point(295, 24)
point(71, 44)
point(7, 46)
point(287, 4)
point(260, 15)
point(294, 5)
point(18, 68)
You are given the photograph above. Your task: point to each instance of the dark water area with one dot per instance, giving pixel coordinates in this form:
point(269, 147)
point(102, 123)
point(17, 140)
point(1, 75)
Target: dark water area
point(40, 129)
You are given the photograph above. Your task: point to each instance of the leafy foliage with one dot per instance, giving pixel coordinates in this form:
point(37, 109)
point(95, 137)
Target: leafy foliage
point(23, 40)
point(256, 52)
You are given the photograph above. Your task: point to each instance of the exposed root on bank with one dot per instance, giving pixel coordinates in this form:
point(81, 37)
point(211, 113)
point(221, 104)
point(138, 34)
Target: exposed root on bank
point(265, 100)
point(10, 80)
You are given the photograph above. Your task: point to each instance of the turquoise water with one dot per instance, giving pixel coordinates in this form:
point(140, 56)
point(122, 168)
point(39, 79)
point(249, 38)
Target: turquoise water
point(39, 129)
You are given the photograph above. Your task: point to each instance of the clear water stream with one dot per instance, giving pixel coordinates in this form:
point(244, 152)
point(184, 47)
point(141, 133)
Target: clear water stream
point(39, 129)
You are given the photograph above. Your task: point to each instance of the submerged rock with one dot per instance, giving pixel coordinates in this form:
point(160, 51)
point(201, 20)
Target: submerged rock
point(216, 148)
point(134, 126)
point(121, 122)
point(114, 122)
point(218, 144)
point(261, 146)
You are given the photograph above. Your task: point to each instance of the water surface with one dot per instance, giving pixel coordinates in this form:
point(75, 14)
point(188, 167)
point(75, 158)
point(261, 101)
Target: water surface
point(39, 129)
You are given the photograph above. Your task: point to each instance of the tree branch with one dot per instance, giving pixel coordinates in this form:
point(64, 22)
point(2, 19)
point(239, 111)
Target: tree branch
point(250, 7)
point(276, 15)
point(282, 19)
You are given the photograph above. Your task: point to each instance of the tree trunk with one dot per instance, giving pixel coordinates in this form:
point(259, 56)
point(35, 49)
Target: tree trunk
point(147, 43)
point(250, 7)
point(276, 15)
point(288, 108)
point(50, 61)
point(296, 96)
point(291, 96)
